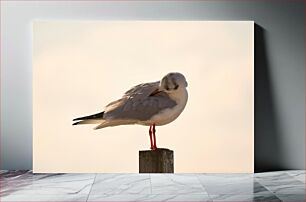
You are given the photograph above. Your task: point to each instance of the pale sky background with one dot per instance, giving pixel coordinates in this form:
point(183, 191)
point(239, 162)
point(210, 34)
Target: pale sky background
point(81, 66)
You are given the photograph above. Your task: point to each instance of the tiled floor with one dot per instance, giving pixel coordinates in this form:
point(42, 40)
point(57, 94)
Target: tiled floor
point(270, 186)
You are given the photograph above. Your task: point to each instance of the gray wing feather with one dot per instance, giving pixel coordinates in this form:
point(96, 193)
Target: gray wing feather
point(141, 109)
point(141, 103)
point(141, 91)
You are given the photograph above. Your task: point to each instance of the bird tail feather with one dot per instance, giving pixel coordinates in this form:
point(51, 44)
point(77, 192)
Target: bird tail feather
point(107, 123)
point(91, 121)
point(94, 116)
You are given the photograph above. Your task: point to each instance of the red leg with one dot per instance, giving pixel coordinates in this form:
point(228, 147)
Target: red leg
point(154, 137)
point(151, 141)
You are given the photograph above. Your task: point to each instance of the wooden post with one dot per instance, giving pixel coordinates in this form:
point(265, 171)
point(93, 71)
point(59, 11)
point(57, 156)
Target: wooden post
point(156, 161)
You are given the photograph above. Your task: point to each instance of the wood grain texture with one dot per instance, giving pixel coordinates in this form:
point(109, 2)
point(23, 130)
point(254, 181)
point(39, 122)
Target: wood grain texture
point(156, 161)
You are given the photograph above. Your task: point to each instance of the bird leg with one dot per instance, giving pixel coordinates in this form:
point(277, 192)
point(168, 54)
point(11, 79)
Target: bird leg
point(154, 137)
point(151, 141)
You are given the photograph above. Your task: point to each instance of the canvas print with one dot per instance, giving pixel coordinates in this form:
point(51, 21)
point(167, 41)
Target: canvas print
point(105, 90)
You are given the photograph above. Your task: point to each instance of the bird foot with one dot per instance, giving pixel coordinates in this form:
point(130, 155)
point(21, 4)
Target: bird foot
point(153, 148)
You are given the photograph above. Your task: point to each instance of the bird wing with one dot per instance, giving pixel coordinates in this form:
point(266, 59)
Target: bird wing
point(141, 110)
point(139, 103)
point(142, 91)
point(138, 92)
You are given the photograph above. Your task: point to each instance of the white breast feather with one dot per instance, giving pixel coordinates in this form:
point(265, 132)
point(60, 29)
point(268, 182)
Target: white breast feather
point(168, 115)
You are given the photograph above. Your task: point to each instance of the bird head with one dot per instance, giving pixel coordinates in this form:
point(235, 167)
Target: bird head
point(173, 81)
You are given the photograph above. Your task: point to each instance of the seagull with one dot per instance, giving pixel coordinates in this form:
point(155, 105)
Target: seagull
point(149, 104)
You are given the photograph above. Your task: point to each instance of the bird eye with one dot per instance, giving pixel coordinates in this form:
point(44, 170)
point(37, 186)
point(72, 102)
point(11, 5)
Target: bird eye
point(176, 87)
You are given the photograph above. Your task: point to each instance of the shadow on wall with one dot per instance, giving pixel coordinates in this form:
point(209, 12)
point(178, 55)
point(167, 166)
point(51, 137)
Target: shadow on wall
point(268, 152)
